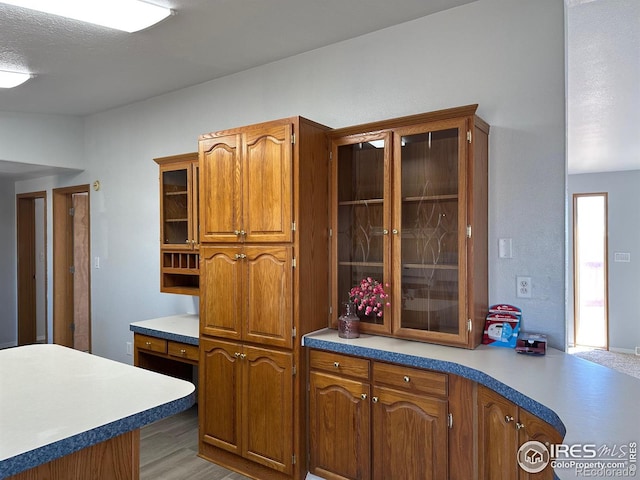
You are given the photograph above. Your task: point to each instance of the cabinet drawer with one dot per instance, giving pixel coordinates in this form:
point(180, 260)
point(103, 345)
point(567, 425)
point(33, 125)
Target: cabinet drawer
point(337, 363)
point(410, 379)
point(183, 350)
point(150, 343)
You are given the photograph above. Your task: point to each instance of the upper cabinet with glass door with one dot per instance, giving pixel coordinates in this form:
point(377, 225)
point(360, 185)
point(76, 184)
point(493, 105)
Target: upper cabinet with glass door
point(410, 212)
point(179, 244)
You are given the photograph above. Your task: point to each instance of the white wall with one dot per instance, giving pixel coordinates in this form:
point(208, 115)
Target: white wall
point(623, 195)
point(52, 140)
point(505, 55)
point(8, 273)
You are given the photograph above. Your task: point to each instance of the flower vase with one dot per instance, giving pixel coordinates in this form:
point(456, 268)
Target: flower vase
point(348, 322)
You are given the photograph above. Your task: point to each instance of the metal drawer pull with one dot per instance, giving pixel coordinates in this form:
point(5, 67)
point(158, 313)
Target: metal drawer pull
point(183, 351)
point(363, 396)
point(508, 418)
point(336, 364)
point(148, 344)
point(407, 379)
point(237, 354)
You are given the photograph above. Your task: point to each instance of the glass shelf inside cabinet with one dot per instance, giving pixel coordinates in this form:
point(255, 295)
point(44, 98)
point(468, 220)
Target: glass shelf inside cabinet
point(429, 234)
point(360, 216)
point(175, 207)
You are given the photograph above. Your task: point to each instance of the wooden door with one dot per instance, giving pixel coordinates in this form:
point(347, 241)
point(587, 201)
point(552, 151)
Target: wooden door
point(267, 403)
point(409, 435)
point(26, 271)
point(339, 428)
point(219, 394)
point(267, 184)
point(81, 313)
point(533, 428)
point(221, 295)
point(268, 292)
point(497, 436)
point(220, 189)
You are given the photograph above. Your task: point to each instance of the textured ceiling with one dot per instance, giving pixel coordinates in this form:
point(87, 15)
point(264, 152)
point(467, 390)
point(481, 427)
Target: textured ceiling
point(83, 69)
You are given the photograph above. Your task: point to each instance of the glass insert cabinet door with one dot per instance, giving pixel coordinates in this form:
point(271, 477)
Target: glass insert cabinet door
point(399, 218)
point(361, 215)
point(429, 249)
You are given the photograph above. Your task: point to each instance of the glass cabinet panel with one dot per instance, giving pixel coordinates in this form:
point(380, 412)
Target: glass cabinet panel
point(175, 215)
point(429, 233)
point(361, 212)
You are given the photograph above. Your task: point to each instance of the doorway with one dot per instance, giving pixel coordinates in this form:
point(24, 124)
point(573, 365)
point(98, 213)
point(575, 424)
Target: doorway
point(31, 229)
point(590, 270)
point(71, 268)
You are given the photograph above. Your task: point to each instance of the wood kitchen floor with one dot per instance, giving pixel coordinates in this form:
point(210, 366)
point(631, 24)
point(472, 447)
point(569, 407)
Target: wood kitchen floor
point(169, 448)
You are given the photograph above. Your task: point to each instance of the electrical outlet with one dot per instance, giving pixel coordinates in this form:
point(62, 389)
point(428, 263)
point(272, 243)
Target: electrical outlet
point(523, 287)
point(129, 348)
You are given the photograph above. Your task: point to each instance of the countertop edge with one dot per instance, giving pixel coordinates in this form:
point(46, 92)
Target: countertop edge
point(53, 451)
point(164, 335)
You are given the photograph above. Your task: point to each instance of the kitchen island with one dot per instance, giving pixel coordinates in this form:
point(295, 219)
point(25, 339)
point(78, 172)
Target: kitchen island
point(67, 414)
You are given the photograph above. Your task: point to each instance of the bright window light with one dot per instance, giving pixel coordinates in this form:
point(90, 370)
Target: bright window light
point(126, 15)
point(12, 79)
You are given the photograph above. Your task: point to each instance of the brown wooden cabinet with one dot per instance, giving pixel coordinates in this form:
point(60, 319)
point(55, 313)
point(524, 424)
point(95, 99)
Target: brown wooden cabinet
point(502, 428)
point(179, 231)
point(390, 424)
point(247, 188)
point(165, 356)
point(250, 390)
point(409, 210)
point(264, 281)
point(253, 296)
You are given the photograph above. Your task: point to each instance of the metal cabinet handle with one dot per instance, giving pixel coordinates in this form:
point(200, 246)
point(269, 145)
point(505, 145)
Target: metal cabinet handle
point(374, 399)
point(519, 426)
point(385, 232)
point(240, 256)
point(394, 231)
point(243, 356)
point(237, 354)
point(508, 418)
point(148, 344)
point(336, 364)
point(183, 351)
point(240, 232)
point(407, 379)
point(363, 396)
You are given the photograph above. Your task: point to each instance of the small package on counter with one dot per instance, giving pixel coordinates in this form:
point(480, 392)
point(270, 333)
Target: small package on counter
point(502, 325)
point(532, 344)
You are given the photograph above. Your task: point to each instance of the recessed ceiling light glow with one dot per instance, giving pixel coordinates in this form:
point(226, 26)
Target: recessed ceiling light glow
point(12, 79)
point(126, 15)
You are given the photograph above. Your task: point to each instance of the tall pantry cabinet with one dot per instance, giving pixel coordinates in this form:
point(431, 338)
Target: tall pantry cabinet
point(263, 285)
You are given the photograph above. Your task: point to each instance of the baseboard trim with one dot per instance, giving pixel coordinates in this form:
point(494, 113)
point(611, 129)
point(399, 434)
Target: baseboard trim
point(7, 345)
point(624, 350)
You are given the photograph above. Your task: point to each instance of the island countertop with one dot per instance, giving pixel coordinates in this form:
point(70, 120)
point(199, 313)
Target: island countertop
point(55, 401)
point(592, 404)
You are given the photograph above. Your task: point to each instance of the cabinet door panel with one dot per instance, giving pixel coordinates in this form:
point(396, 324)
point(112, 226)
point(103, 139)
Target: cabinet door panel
point(220, 189)
point(219, 394)
point(339, 427)
point(409, 436)
point(539, 430)
point(221, 305)
point(268, 292)
point(267, 188)
point(267, 408)
point(497, 436)
point(430, 215)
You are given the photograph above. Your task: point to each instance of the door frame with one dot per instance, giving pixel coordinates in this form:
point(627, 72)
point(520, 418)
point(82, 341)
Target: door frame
point(26, 267)
point(63, 304)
